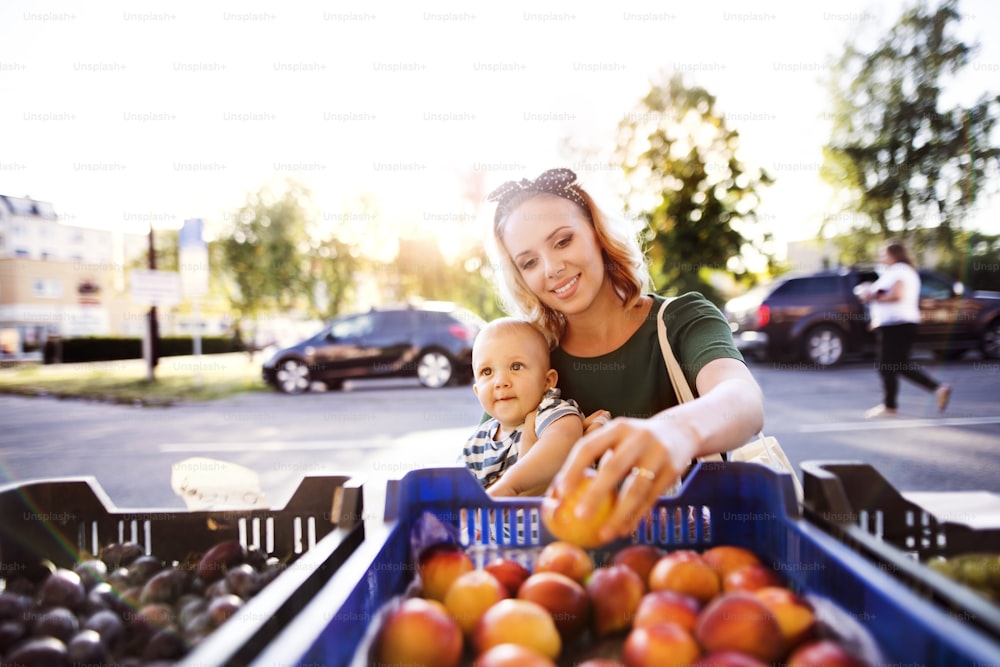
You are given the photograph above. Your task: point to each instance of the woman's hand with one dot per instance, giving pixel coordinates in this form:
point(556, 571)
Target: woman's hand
point(640, 458)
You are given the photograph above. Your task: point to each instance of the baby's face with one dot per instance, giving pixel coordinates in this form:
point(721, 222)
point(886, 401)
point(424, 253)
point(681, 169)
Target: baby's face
point(511, 375)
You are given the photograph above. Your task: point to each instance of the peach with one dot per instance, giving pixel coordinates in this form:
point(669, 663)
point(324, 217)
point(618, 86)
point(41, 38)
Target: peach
point(751, 578)
point(665, 644)
point(512, 655)
point(667, 606)
point(728, 659)
point(687, 574)
point(725, 558)
point(565, 599)
point(794, 614)
point(439, 566)
point(514, 621)
point(559, 514)
point(565, 558)
point(738, 621)
point(509, 572)
point(403, 637)
point(615, 592)
point(639, 557)
point(823, 653)
point(470, 595)
point(600, 662)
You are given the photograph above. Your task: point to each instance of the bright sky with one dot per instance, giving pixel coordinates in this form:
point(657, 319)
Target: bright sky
point(122, 113)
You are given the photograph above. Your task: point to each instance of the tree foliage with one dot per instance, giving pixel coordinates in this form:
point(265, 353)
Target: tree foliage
point(899, 159)
point(687, 182)
point(265, 253)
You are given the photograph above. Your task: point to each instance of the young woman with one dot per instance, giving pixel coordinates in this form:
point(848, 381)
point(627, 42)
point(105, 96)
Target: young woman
point(562, 264)
point(894, 305)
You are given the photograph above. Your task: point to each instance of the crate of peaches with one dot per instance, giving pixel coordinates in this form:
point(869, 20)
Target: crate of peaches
point(723, 573)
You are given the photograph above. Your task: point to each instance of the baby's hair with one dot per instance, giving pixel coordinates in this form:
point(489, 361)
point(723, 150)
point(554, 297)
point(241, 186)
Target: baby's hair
point(506, 325)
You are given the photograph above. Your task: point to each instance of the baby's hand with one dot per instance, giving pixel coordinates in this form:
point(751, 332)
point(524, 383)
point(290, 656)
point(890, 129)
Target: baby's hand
point(596, 420)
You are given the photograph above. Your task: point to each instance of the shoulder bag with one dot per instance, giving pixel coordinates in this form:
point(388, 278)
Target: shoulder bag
point(764, 450)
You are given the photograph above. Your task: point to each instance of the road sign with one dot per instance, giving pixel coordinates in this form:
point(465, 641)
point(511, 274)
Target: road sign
point(155, 288)
point(193, 258)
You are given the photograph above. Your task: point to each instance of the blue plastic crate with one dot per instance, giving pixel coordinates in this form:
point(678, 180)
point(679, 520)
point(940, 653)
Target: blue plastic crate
point(729, 503)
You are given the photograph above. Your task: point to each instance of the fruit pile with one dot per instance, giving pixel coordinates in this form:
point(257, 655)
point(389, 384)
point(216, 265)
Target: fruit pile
point(642, 607)
point(125, 607)
point(978, 571)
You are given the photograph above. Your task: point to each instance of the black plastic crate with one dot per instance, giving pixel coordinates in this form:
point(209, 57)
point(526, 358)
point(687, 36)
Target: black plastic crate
point(316, 530)
point(856, 504)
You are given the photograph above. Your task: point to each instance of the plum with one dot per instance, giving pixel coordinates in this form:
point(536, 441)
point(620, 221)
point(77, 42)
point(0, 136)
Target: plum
point(63, 588)
point(57, 622)
point(86, 648)
point(40, 652)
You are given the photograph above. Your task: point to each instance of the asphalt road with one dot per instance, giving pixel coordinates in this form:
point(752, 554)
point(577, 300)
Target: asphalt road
point(382, 429)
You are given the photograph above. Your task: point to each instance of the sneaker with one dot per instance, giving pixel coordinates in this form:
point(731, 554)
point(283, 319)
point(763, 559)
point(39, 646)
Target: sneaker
point(880, 411)
point(943, 394)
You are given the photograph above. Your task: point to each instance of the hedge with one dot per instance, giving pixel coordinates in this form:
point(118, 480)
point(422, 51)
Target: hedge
point(74, 350)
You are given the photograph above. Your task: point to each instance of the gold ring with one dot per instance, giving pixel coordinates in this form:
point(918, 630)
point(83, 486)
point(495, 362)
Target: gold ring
point(644, 472)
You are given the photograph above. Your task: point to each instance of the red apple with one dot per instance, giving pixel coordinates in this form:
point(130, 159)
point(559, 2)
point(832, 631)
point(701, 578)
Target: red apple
point(685, 573)
point(559, 514)
point(514, 621)
point(512, 655)
point(823, 653)
point(751, 578)
point(615, 592)
point(794, 614)
point(403, 638)
point(660, 645)
point(439, 566)
point(667, 606)
point(738, 621)
point(565, 558)
point(725, 558)
point(508, 572)
point(565, 599)
point(728, 659)
point(639, 557)
point(470, 595)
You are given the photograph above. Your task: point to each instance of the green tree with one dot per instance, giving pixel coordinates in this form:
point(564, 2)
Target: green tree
point(899, 159)
point(685, 181)
point(265, 253)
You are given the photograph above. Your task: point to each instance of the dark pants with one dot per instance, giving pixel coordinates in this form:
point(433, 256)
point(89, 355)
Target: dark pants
point(894, 344)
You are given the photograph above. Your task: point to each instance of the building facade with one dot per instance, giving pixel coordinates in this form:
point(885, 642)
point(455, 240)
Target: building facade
point(63, 281)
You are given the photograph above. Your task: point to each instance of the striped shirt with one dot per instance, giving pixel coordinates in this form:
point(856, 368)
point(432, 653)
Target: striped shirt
point(489, 459)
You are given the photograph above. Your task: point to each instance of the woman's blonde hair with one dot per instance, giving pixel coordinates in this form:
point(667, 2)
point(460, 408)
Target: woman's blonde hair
point(624, 263)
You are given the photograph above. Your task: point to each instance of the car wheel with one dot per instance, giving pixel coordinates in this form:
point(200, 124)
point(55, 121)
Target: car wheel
point(824, 345)
point(292, 376)
point(989, 344)
point(434, 369)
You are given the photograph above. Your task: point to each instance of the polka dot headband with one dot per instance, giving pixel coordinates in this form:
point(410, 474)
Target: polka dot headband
point(559, 182)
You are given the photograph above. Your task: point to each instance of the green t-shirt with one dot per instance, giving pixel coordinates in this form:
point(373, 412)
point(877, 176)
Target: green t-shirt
point(632, 381)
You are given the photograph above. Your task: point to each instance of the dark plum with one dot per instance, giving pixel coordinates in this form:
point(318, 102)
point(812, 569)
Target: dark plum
point(57, 622)
point(63, 588)
point(86, 648)
point(40, 652)
point(120, 554)
point(91, 572)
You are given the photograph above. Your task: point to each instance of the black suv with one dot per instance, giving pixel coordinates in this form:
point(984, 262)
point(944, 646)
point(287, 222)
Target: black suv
point(818, 319)
point(431, 341)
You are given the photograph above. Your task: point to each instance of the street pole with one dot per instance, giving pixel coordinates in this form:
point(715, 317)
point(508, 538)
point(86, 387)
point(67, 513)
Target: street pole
point(151, 348)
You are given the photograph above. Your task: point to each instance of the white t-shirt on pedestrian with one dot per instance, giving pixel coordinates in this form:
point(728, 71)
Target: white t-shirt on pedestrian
point(907, 308)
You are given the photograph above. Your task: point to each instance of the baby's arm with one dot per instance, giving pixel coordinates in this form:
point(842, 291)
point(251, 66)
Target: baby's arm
point(539, 463)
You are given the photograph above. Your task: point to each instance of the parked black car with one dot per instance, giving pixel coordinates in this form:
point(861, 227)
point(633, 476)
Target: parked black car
point(431, 341)
point(818, 319)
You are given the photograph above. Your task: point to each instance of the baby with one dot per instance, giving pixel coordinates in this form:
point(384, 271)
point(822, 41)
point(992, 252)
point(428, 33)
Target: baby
point(530, 432)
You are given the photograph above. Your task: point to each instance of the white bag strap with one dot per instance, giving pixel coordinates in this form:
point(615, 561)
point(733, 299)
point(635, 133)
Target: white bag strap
point(674, 370)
